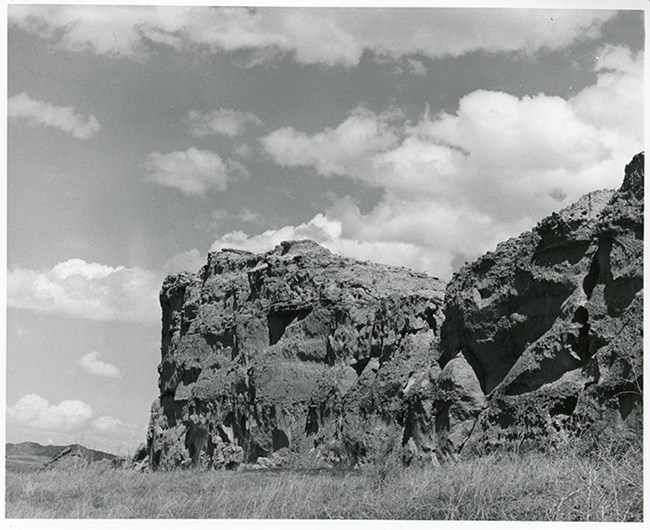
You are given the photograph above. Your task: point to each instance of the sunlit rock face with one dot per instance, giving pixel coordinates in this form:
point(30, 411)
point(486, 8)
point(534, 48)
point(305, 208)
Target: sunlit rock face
point(267, 357)
point(302, 357)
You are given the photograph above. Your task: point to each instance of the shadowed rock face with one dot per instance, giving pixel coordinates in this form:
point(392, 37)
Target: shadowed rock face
point(302, 356)
point(551, 321)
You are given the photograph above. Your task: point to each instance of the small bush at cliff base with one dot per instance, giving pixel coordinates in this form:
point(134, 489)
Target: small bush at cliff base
point(534, 486)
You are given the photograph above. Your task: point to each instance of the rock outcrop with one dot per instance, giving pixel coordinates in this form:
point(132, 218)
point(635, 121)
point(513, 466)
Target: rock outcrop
point(265, 357)
point(551, 322)
point(78, 456)
point(302, 357)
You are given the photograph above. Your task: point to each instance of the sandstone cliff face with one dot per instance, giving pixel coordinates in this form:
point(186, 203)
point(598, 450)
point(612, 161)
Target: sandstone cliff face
point(301, 357)
point(290, 351)
point(551, 321)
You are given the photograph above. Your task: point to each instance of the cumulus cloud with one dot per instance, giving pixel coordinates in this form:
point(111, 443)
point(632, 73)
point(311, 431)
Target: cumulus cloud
point(332, 37)
point(228, 122)
point(619, 82)
point(107, 423)
point(40, 113)
point(193, 172)
point(35, 412)
point(87, 290)
point(347, 149)
point(456, 183)
point(91, 363)
point(33, 417)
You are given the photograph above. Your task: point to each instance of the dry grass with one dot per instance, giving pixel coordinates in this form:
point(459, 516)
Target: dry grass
point(556, 487)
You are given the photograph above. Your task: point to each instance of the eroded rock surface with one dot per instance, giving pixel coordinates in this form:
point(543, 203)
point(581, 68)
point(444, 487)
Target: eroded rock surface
point(302, 357)
point(266, 357)
point(551, 321)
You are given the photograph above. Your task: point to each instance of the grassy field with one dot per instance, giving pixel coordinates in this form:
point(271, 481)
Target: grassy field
point(555, 487)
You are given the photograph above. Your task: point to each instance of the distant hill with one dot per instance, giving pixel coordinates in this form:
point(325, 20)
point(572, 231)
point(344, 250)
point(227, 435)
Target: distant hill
point(30, 456)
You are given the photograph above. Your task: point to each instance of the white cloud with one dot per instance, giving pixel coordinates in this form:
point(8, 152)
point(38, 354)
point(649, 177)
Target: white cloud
point(344, 150)
point(87, 290)
point(40, 113)
point(107, 423)
point(91, 363)
point(193, 172)
point(35, 412)
point(94, 291)
point(616, 101)
point(114, 436)
point(456, 183)
point(311, 36)
point(319, 229)
point(228, 122)
point(71, 421)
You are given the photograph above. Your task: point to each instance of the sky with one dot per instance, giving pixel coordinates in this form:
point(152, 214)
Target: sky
point(141, 138)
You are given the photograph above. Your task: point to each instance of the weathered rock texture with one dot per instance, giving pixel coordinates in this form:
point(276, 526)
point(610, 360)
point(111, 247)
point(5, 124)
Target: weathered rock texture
point(551, 322)
point(269, 356)
point(299, 356)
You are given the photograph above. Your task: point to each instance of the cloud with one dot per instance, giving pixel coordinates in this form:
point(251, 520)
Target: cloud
point(456, 183)
point(39, 113)
point(94, 291)
point(222, 121)
point(35, 412)
point(193, 172)
point(107, 423)
point(71, 421)
point(616, 101)
point(326, 36)
point(115, 436)
point(344, 150)
point(90, 363)
point(87, 290)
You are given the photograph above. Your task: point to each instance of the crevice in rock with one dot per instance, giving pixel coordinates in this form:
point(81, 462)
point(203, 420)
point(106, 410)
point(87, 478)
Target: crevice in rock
point(580, 345)
point(278, 322)
point(311, 423)
point(195, 440)
point(569, 251)
point(599, 270)
point(591, 279)
point(191, 375)
point(279, 439)
point(627, 403)
point(409, 428)
point(475, 366)
point(225, 339)
point(359, 365)
point(619, 294)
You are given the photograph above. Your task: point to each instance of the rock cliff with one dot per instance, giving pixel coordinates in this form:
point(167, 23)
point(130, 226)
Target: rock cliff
point(551, 322)
point(302, 357)
point(268, 356)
